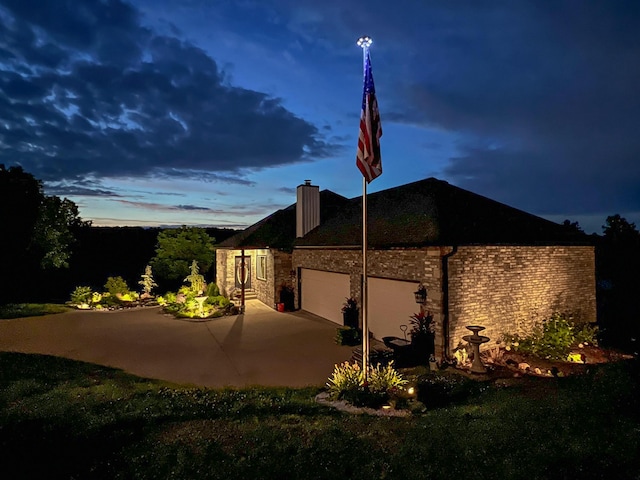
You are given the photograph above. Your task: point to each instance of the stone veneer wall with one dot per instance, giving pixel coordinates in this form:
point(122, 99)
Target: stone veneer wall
point(225, 270)
point(419, 265)
point(509, 288)
point(267, 291)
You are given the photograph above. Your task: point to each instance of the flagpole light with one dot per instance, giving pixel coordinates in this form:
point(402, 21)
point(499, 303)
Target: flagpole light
point(364, 41)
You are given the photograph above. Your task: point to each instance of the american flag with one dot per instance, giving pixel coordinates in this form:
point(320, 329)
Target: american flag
point(368, 159)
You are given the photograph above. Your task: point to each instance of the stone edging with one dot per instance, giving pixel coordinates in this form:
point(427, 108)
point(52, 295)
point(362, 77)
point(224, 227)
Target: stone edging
point(323, 399)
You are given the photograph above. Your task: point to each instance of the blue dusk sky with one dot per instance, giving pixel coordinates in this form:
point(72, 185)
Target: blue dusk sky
point(193, 112)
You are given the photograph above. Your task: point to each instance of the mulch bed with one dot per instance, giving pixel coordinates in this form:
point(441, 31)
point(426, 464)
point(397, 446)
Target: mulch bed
point(511, 363)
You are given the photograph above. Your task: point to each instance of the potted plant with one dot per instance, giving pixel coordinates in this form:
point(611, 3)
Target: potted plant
point(350, 313)
point(287, 297)
point(422, 334)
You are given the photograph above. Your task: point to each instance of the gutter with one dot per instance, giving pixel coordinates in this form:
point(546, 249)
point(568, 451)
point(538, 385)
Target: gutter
point(445, 301)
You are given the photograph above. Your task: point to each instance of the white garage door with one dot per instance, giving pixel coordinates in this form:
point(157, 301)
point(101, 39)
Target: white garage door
point(391, 303)
point(324, 293)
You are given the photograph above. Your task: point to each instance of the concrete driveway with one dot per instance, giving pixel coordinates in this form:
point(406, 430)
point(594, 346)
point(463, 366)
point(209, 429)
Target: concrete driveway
point(260, 347)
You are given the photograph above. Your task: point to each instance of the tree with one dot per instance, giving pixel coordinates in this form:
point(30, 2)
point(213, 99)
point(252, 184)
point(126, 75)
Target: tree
point(618, 263)
point(572, 226)
point(177, 248)
point(618, 229)
point(55, 231)
point(147, 281)
point(38, 231)
point(196, 281)
point(20, 200)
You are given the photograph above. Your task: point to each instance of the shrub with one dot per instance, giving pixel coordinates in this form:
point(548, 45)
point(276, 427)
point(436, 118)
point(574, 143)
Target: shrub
point(345, 377)
point(116, 285)
point(553, 338)
point(348, 336)
point(81, 295)
point(348, 383)
point(383, 379)
point(219, 300)
point(213, 290)
point(441, 390)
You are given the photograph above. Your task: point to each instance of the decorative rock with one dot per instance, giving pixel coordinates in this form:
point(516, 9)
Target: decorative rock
point(524, 366)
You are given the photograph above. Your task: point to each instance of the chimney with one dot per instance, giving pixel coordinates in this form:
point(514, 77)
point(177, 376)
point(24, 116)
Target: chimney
point(307, 208)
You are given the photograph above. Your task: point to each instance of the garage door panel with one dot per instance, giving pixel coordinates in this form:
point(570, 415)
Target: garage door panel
point(390, 304)
point(324, 293)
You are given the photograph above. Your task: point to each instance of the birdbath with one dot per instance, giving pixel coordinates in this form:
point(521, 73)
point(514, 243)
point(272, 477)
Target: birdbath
point(476, 340)
point(200, 301)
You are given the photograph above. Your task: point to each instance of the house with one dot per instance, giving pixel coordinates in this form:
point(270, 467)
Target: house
point(482, 262)
point(266, 247)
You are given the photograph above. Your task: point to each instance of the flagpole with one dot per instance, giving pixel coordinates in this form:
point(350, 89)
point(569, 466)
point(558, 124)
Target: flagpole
point(364, 42)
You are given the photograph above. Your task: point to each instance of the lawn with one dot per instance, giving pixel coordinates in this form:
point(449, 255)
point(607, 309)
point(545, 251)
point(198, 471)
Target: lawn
point(65, 419)
point(20, 310)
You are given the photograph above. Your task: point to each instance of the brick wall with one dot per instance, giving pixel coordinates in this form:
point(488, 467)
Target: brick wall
point(280, 273)
point(509, 288)
point(504, 288)
point(419, 265)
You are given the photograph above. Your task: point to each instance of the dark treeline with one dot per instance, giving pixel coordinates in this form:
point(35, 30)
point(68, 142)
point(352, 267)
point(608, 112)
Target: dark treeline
point(102, 252)
point(618, 283)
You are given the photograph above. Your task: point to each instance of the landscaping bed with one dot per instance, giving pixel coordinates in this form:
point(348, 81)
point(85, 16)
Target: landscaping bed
point(512, 363)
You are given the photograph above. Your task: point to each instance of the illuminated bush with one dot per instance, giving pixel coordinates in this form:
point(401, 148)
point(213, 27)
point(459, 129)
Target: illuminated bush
point(348, 382)
point(553, 339)
point(116, 285)
point(81, 296)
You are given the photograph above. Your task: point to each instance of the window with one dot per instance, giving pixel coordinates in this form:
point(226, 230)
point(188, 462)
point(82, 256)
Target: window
point(261, 269)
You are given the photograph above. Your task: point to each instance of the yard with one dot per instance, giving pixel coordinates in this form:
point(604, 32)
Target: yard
point(66, 419)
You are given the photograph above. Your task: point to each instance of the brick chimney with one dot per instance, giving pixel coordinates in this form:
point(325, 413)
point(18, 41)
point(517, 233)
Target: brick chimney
point(307, 208)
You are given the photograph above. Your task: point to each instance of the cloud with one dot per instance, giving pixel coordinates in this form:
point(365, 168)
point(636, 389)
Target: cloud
point(86, 90)
point(236, 211)
point(540, 96)
point(73, 190)
point(544, 97)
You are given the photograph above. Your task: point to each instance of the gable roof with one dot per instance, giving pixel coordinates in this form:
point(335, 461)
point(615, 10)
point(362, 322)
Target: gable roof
point(433, 212)
point(278, 230)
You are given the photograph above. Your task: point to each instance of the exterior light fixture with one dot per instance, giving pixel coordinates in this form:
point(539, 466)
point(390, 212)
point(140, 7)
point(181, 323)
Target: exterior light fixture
point(421, 294)
point(364, 41)
point(411, 390)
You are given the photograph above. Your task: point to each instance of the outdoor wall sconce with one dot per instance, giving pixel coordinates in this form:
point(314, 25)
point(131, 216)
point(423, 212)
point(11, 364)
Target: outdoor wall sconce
point(421, 294)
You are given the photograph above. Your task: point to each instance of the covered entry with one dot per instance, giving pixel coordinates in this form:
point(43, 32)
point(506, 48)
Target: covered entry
point(243, 276)
point(323, 293)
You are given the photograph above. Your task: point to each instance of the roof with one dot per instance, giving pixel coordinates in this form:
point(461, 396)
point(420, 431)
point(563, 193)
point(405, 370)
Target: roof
point(433, 212)
point(278, 230)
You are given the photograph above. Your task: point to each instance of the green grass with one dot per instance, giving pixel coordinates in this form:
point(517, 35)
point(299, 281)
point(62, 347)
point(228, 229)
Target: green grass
point(19, 310)
point(65, 419)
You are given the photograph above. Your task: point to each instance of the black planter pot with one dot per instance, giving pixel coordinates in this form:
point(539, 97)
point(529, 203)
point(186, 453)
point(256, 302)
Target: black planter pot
point(350, 318)
point(422, 346)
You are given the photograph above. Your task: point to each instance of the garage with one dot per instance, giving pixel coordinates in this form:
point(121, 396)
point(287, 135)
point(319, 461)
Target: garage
point(391, 303)
point(323, 293)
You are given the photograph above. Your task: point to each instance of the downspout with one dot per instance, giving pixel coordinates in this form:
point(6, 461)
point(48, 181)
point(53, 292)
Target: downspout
point(445, 301)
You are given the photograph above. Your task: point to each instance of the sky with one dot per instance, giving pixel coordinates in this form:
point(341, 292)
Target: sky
point(210, 113)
